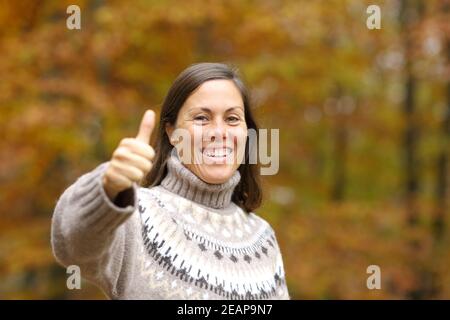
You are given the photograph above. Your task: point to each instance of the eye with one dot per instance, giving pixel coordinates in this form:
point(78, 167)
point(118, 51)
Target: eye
point(200, 118)
point(233, 119)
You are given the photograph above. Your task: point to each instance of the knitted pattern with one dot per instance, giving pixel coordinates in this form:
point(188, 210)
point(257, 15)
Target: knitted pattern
point(183, 239)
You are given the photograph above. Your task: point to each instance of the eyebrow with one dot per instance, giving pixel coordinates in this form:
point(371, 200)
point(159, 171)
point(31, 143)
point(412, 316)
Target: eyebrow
point(205, 109)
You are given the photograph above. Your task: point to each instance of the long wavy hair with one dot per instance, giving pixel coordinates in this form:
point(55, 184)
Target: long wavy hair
point(248, 193)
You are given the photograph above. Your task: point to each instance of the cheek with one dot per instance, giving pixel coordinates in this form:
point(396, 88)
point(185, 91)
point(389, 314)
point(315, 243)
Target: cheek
point(239, 137)
point(196, 136)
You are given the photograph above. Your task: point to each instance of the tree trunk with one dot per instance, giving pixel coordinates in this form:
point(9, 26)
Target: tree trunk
point(411, 134)
point(441, 187)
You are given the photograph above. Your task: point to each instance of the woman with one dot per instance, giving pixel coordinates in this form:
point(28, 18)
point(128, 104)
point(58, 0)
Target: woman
point(189, 232)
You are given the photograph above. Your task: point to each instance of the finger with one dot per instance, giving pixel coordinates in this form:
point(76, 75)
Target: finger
point(135, 160)
point(138, 147)
point(130, 172)
point(117, 181)
point(146, 127)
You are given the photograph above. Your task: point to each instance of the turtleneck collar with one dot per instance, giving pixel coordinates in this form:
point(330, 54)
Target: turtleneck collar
point(182, 181)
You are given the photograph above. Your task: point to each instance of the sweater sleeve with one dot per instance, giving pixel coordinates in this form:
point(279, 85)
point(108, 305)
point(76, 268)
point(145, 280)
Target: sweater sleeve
point(283, 286)
point(280, 271)
point(87, 228)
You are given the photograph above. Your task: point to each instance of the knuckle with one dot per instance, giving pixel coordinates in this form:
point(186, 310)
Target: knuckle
point(126, 140)
point(139, 174)
point(148, 165)
point(141, 148)
point(114, 164)
point(151, 152)
point(126, 183)
point(148, 152)
point(120, 152)
point(116, 152)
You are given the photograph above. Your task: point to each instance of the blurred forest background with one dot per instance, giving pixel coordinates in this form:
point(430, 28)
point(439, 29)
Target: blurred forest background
point(364, 119)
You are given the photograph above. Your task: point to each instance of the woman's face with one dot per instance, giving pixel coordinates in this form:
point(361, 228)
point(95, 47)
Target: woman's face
point(214, 118)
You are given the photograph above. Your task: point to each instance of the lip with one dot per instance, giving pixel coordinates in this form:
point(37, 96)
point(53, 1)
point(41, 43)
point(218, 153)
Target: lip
point(213, 152)
point(217, 147)
point(217, 159)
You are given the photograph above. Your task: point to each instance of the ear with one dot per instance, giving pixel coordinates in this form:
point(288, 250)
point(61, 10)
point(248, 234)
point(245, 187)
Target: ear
point(169, 131)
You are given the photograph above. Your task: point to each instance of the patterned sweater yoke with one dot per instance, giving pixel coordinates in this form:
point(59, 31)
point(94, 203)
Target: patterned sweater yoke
point(183, 239)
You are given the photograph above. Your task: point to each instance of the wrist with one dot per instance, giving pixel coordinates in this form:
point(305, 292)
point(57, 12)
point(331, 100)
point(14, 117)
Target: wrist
point(112, 194)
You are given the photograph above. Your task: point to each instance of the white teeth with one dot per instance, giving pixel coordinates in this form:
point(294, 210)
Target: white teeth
point(219, 152)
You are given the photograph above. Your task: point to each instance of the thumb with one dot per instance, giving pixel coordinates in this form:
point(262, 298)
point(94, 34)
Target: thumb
point(146, 127)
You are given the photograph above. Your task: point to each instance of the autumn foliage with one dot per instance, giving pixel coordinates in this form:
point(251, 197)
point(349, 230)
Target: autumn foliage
point(363, 118)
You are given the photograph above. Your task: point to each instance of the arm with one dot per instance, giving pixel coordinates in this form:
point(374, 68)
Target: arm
point(279, 267)
point(87, 228)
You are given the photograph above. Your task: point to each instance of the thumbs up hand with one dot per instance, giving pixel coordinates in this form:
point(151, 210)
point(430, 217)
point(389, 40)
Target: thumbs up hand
point(132, 159)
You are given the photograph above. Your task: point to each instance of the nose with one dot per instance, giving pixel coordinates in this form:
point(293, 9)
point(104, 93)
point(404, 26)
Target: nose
point(217, 131)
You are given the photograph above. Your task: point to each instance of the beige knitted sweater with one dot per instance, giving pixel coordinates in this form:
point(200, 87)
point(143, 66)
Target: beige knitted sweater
point(183, 239)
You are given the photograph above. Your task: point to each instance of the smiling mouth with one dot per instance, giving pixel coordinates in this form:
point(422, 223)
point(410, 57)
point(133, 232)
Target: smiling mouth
point(217, 152)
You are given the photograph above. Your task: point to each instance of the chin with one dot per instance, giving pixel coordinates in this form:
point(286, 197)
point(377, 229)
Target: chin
point(215, 174)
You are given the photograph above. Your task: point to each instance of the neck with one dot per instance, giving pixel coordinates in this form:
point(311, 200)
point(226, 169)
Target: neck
point(182, 181)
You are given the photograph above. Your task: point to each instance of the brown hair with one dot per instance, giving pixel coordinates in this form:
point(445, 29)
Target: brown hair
point(248, 193)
